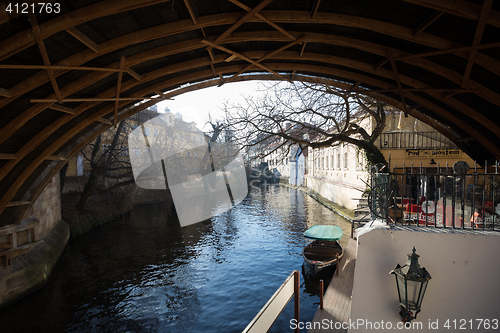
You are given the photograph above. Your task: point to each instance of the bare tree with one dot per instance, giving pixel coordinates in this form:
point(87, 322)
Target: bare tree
point(309, 115)
point(107, 155)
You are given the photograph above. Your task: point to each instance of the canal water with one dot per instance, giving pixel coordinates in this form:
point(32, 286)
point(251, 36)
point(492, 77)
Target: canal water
point(143, 273)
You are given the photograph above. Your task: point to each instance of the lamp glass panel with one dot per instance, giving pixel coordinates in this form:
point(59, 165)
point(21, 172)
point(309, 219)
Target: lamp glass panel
point(402, 289)
point(413, 291)
point(422, 293)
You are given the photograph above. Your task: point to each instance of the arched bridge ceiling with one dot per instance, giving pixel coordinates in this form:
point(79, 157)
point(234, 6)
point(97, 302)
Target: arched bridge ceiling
point(71, 69)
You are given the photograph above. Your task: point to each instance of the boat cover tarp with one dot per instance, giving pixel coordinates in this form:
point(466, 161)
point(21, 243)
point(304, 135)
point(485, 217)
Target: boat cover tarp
point(324, 232)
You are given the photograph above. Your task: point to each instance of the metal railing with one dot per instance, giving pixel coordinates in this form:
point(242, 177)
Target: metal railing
point(414, 140)
point(446, 198)
point(268, 314)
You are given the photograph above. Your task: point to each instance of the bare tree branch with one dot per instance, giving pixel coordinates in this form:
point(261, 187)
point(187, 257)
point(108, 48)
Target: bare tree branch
point(306, 114)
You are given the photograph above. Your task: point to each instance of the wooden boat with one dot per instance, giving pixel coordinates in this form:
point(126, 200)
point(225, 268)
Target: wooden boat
point(320, 255)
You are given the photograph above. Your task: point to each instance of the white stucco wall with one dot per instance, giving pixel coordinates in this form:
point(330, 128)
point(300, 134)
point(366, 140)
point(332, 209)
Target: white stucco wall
point(465, 284)
point(340, 192)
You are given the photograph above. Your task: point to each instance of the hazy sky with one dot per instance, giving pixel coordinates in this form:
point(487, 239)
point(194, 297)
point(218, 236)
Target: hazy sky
point(195, 106)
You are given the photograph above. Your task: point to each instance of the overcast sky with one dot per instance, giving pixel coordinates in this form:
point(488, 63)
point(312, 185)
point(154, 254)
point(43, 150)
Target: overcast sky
point(195, 106)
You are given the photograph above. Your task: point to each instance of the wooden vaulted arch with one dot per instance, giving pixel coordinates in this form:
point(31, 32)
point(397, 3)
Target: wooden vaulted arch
point(66, 77)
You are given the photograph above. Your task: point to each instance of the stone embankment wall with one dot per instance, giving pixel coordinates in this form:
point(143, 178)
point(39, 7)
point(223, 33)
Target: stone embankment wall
point(47, 207)
point(30, 250)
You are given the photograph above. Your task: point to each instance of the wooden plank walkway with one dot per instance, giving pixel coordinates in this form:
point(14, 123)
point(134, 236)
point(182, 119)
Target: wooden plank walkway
point(337, 299)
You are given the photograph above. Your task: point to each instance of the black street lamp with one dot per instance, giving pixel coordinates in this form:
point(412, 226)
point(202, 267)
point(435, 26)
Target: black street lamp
point(411, 280)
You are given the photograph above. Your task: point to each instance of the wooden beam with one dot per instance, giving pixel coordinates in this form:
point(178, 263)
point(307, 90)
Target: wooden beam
point(315, 8)
point(242, 20)
point(56, 67)
point(449, 94)
point(300, 40)
point(365, 45)
point(431, 90)
point(452, 50)
point(203, 32)
point(481, 24)
point(467, 9)
point(244, 58)
point(18, 203)
point(83, 38)
point(355, 86)
point(55, 158)
point(427, 23)
point(174, 82)
point(5, 93)
point(398, 80)
point(61, 22)
point(301, 52)
point(6, 17)
point(62, 108)
point(73, 87)
point(431, 41)
point(212, 60)
point(69, 100)
point(351, 76)
point(191, 11)
point(118, 88)
point(8, 156)
point(105, 121)
point(380, 63)
point(260, 17)
point(45, 56)
point(230, 58)
point(133, 74)
point(221, 80)
point(365, 79)
point(466, 139)
point(211, 54)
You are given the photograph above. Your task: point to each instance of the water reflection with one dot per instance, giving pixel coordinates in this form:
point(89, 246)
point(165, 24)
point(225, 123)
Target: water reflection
point(145, 274)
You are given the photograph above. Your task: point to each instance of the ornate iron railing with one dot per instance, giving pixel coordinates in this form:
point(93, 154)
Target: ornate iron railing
point(450, 197)
point(415, 140)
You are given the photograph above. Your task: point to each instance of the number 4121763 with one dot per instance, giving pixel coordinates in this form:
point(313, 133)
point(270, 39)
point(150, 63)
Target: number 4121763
point(41, 7)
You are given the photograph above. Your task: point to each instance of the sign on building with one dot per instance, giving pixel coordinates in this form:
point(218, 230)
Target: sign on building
point(433, 153)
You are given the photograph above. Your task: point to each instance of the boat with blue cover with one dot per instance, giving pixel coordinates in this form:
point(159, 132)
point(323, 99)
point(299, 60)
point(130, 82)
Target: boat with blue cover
point(320, 255)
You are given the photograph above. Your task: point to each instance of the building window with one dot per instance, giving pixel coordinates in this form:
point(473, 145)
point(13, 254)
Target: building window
point(331, 162)
point(338, 159)
point(359, 161)
point(345, 159)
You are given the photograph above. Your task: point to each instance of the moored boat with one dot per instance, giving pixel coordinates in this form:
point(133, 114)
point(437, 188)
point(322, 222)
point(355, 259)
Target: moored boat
point(320, 255)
